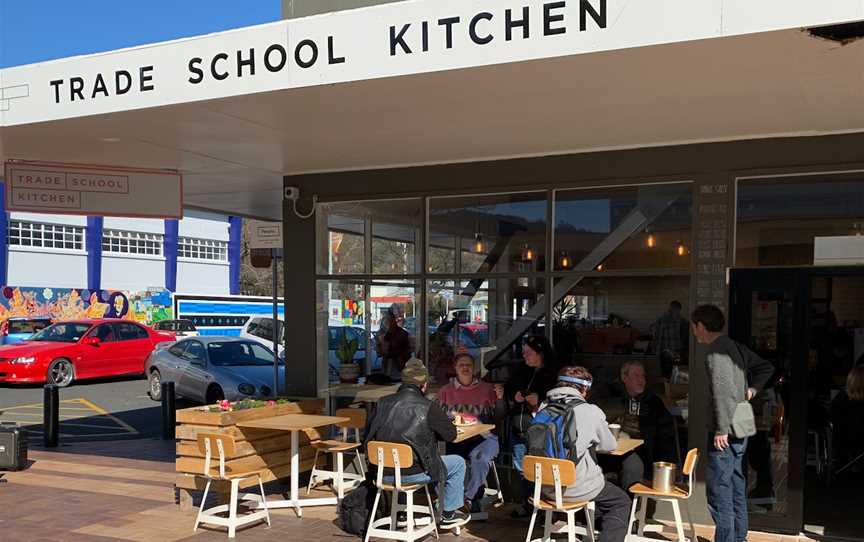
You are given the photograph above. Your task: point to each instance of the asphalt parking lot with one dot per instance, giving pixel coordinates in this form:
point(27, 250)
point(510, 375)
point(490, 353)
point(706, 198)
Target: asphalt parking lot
point(98, 410)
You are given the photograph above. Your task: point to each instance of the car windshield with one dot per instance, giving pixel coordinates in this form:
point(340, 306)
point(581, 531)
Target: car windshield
point(185, 326)
point(27, 326)
point(236, 353)
point(62, 333)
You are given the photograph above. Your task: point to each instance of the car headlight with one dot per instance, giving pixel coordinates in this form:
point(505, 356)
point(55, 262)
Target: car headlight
point(24, 361)
point(246, 389)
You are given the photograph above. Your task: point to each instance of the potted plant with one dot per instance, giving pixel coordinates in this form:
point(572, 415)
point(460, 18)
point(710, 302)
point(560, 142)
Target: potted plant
point(349, 369)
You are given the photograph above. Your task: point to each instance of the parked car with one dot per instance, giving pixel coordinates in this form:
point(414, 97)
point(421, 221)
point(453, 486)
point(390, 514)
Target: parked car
point(16, 329)
point(68, 351)
point(260, 329)
point(209, 369)
point(181, 328)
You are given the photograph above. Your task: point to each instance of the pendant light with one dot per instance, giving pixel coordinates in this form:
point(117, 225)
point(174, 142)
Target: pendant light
point(565, 260)
point(681, 250)
point(527, 253)
point(651, 241)
point(600, 267)
point(479, 246)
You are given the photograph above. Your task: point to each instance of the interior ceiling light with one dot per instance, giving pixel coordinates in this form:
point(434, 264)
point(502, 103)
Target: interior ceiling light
point(479, 247)
point(565, 260)
point(527, 253)
point(651, 241)
point(681, 250)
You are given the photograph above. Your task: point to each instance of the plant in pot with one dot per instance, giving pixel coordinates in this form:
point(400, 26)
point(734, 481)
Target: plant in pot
point(349, 369)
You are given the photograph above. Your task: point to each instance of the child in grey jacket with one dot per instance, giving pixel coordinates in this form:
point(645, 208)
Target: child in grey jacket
point(586, 432)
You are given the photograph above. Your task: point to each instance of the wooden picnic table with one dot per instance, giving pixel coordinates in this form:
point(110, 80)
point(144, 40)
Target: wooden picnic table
point(295, 423)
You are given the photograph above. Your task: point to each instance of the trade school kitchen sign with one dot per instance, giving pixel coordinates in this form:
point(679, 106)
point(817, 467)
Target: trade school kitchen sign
point(389, 40)
point(72, 189)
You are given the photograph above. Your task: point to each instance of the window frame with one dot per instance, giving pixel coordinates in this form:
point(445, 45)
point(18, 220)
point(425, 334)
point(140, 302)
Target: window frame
point(186, 246)
point(15, 236)
point(137, 244)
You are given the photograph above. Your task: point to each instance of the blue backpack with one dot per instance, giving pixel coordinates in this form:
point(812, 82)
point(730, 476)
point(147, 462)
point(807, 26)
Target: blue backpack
point(545, 435)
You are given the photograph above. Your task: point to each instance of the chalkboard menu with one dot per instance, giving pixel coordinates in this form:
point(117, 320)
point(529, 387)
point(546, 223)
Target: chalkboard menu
point(713, 213)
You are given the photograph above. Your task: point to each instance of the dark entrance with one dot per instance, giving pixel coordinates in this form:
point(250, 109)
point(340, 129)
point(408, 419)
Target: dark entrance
point(809, 322)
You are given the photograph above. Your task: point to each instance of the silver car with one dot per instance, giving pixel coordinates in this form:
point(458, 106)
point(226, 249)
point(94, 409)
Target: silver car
point(209, 369)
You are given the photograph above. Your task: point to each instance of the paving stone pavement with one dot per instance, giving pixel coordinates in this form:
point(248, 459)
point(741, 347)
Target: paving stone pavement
point(123, 491)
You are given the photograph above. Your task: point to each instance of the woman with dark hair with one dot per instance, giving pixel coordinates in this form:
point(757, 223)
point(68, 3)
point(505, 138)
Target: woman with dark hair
point(525, 390)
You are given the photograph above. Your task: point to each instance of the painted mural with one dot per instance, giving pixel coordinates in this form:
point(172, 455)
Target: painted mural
point(70, 304)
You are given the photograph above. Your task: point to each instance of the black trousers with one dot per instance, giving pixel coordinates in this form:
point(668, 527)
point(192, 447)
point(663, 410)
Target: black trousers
point(613, 511)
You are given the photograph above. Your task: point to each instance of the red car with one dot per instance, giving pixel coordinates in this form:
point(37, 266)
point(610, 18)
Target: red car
point(77, 350)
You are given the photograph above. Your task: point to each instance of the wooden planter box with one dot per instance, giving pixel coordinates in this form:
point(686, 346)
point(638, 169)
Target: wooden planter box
point(256, 449)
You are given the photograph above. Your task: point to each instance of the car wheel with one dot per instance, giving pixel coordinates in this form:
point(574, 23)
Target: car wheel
point(61, 373)
point(214, 394)
point(154, 384)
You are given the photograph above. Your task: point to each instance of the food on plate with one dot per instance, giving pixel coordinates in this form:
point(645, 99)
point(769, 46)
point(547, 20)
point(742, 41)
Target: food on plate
point(464, 419)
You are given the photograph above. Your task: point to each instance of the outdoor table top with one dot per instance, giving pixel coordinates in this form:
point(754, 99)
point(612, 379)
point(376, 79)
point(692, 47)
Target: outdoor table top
point(466, 432)
point(363, 392)
point(293, 422)
point(625, 446)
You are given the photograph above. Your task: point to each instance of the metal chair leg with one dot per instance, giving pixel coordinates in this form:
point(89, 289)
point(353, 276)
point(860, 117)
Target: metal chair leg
point(232, 509)
point(632, 516)
point(313, 473)
point(589, 521)
point(547, 526)
point(531, 526)
point(431, 510)
point(643, 512)
point(695, 537)
point(679, 525)
point(372, 517)
point(264, 500)
point(201, 508)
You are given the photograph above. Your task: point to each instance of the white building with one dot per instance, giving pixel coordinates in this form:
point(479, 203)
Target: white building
point(137, 254)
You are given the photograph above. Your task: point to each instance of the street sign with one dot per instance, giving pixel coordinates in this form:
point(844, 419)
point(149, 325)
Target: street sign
point(265, 234)
point(93, 190)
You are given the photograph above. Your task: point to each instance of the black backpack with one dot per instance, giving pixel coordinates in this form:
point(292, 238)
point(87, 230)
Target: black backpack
point(355, 509)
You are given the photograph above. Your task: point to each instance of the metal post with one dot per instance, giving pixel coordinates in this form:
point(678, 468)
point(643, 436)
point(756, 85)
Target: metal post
point(275, 259)
point(51, 416)
point(169, 411)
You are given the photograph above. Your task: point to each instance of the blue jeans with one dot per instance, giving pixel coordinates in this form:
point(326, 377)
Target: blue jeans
point(519, 449)
point(727, 490)
point(479, 452)
point(454, 486)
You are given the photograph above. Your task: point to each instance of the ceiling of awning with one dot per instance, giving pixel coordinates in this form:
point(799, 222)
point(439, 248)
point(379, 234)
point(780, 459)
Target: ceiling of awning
point(233, 152)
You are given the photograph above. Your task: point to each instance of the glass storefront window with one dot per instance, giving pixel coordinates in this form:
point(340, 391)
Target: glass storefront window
point(487, 317)
point(487, 234)
point(394, 321)
point(780, 219)
point(619, 228)
point(343, 336)
point(393, 226)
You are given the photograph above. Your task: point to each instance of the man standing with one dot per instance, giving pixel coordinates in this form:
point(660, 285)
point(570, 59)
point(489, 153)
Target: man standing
point(408, 417)
point(729, 365)
point(670, 335)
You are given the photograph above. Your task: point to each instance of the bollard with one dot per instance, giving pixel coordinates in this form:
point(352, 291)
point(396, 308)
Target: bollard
point(51, 416)
point(169, 413)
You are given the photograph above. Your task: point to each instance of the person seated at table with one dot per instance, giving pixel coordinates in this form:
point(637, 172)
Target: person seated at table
point(526, 389)
point(408, 417)
point(585, 434)
point(847, 411)
point(466, 395)
point(644, 417)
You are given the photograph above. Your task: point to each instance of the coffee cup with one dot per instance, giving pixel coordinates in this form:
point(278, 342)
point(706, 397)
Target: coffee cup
point(615, 429)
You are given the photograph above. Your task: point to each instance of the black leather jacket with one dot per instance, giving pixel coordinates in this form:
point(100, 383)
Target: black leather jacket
point(408, 417)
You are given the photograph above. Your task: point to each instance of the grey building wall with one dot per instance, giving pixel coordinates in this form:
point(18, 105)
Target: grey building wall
point(292, 9)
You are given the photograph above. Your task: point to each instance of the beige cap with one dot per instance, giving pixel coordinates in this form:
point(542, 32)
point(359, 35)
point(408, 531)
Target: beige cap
point(415, 372)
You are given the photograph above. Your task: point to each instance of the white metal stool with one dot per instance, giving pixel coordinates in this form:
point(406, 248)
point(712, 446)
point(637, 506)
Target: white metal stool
point(643, 491)
point(394, 456)
point(341, 480)
point(226, 447)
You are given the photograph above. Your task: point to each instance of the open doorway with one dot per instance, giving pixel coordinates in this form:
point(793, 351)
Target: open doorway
point(805, 465)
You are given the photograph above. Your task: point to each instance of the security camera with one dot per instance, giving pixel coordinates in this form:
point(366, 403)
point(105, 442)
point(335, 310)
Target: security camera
point(292, 193)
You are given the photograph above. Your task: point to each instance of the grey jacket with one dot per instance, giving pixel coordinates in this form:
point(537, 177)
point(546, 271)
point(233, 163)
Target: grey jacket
point(732, 368)
point(586, 433)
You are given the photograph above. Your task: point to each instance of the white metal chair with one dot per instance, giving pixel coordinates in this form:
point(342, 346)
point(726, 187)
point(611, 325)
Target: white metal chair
point(389, 455)
point(341, 480)
point(557, 473)
point(643, 491)
point(226, 447)
point(494, 492)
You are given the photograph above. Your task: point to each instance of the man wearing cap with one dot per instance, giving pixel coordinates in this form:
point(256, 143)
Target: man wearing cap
point(408, 417)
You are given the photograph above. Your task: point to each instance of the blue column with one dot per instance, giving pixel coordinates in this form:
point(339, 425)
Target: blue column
point(172, 236)
point(235, 231)
point(93, 244)
point(4, 234)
